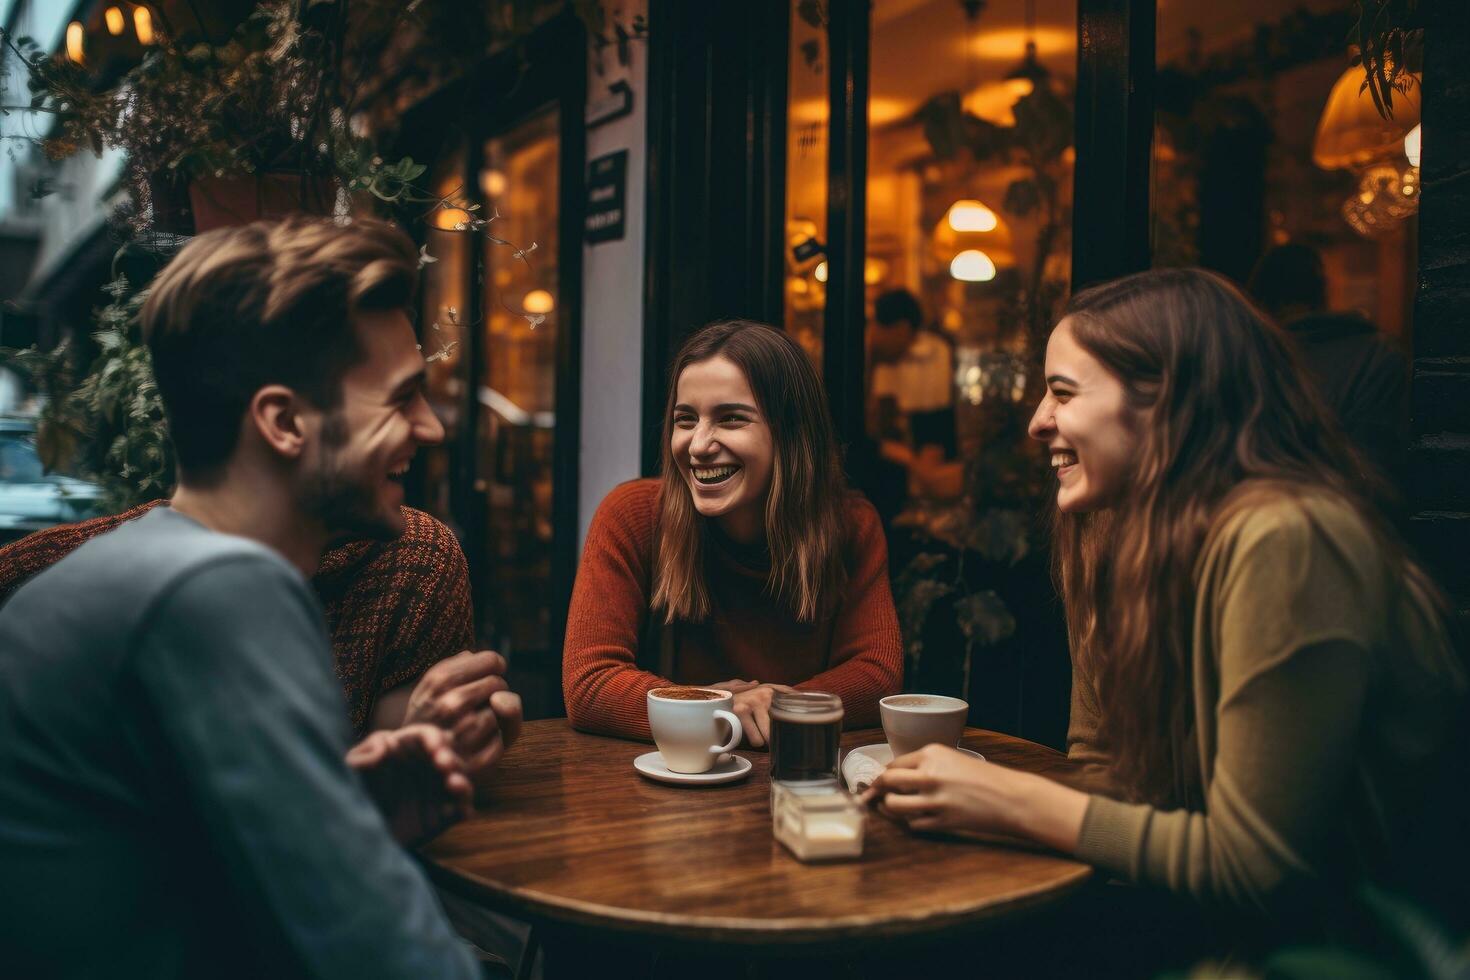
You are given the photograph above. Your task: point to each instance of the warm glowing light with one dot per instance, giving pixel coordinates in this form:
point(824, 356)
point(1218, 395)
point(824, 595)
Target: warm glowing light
point(143, 24)
point(493, 182)
point(538, 301)
point(1351, 134)
point(1411, 145)
point(874, 271)
point(1003, 45)
point(451, 219)
point(883, 110)
point(821, 272)
point(74, 37)
point(116, 22)
point(1020, 87)
point(969, 215)
point(972, 265)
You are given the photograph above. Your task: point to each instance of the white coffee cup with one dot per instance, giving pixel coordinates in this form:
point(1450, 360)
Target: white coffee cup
point(687, 723)
point(912, 721)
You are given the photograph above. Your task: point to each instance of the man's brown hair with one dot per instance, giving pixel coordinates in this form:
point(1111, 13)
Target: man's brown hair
point(267, 303)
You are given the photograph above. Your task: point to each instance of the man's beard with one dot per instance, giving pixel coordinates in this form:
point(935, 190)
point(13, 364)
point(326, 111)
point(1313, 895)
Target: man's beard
point(346, 503)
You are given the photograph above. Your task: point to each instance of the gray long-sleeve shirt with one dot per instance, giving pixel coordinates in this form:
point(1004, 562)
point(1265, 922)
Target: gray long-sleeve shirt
point(174, 799)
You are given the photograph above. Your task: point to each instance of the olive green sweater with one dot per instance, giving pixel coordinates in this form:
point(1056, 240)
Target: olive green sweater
point(1322, 690)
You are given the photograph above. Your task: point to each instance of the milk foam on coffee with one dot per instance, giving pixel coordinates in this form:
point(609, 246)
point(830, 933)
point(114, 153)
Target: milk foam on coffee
point(688, 694)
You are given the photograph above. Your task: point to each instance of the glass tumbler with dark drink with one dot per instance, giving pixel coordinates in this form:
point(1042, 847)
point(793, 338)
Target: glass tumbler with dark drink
point(806, 727)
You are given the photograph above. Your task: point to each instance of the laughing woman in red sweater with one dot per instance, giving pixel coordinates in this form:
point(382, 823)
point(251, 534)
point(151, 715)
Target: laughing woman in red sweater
point(748, 565)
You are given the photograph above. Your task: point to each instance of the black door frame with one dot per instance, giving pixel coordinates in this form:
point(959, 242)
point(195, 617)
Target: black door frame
point(546, 69)
point(716, 178)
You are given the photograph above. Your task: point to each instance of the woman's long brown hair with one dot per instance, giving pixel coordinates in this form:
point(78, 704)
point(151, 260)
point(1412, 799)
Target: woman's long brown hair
point(1228, 416)
point(804, 526)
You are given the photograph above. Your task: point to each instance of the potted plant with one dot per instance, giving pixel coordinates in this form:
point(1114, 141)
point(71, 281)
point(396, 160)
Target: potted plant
point(219, 134)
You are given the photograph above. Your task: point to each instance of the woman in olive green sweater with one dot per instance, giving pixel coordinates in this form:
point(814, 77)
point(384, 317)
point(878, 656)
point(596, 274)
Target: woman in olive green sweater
point(1262, 679)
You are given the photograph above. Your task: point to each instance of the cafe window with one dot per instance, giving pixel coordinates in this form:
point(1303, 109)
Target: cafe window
point(968, 213)
point(1265, 137)
point(517, 393)
point(964, 201)
point(809, 112)
point(445, 311)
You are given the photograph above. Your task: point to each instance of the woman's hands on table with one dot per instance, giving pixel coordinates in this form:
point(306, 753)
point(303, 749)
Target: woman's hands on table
point(467, 696)
point(941, 789)
point(753, 707)
point(416, 778)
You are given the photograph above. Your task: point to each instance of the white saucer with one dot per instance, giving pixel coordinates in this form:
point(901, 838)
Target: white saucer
point(727, 769)
point(882, 754)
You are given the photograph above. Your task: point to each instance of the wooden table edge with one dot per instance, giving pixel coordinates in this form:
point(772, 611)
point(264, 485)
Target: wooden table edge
point(528, 903)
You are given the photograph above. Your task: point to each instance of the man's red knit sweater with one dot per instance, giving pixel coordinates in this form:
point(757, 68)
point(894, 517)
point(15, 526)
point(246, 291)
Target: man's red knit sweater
point(856, 653)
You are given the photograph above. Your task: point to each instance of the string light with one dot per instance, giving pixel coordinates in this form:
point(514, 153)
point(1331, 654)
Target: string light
point(538, 301)
point(143, 24)
point(74, 38)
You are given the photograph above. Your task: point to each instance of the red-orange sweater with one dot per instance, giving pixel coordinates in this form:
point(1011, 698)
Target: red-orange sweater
point(856, 653)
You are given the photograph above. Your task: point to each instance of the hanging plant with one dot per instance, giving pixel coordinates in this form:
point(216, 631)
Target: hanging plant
point(1388, 35)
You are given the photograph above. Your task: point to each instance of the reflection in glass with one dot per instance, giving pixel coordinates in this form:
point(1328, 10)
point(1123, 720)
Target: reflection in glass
point(968, 212)
point(806, 180)
point(445, 298)
point(968, 260)
point(1265, 137)
point(517, 393)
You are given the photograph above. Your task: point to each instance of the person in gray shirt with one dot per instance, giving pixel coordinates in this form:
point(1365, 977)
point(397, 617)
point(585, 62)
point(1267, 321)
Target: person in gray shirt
point(178, 796)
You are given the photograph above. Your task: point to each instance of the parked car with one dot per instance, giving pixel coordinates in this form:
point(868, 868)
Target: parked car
point(31, 498)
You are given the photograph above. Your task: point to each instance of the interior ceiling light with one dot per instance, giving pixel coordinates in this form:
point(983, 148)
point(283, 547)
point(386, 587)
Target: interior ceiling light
point(1351, 135)
point(971, 215)
point(972, 265)
point(1411, 145)
point(1030, 74)
point(821, 272)
point(116, 22)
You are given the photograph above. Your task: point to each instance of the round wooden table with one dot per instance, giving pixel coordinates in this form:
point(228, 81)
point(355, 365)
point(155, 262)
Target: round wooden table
point(570, 834)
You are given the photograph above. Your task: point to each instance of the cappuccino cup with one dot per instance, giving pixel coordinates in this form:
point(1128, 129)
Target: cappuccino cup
point(912, 721)
point(688, 726)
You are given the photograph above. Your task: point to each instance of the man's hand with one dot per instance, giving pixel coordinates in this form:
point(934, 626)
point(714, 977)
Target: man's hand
point(416, 779)
point(467, 696)
point(753, 707)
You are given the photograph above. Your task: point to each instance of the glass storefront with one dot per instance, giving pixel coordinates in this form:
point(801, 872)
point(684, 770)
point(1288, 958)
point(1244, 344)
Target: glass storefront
point(1265, 137)
point(517, 393)
point(966, 259)
point(489, 328)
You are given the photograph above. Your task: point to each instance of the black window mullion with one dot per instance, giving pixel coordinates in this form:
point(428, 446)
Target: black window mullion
point(1114, 139)
point(847, 172)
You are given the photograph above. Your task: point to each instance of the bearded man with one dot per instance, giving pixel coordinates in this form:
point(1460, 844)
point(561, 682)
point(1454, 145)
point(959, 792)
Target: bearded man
point(178, 791)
